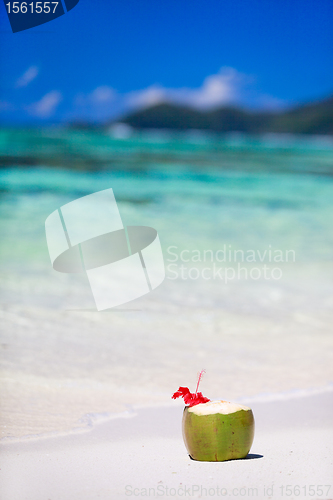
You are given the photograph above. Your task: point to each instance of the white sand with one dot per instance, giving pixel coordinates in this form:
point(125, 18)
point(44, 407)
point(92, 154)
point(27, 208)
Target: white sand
point(144, 456)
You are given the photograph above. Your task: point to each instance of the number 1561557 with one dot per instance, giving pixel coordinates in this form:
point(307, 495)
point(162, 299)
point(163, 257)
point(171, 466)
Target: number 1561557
point(37, 7)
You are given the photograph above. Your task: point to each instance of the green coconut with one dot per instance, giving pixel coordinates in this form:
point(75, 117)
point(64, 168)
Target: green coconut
point(217, 431)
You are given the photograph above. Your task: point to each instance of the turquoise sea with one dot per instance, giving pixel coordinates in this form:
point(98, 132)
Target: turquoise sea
point(201, 192)
point(196, 188)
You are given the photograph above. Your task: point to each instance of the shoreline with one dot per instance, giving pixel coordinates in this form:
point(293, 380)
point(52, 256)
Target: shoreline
point(94, 420)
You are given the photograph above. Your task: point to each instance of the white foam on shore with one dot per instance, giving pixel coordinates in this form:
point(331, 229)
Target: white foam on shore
point(88, 421)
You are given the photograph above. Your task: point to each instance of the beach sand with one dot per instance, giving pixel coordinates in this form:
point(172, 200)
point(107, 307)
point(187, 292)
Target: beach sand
point(142, 455)
point(86, 397)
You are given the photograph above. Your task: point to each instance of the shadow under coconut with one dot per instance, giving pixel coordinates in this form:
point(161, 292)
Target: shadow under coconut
point(252, 456)
point(249, 456)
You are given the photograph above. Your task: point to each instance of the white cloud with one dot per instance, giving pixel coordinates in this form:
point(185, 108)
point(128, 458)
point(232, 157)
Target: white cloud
point(147, 97)
point(46, 106)
point(97, 105)
point(102, 95)
point(225, 87)
point(99, 97)
point(28, 76)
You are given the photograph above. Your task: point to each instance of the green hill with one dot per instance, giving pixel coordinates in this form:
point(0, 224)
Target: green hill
point(313, 118)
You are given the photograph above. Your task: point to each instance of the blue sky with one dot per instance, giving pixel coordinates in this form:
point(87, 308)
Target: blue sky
point(105, 57)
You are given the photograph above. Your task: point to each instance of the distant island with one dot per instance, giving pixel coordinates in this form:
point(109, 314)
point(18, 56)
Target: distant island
point(312, 118)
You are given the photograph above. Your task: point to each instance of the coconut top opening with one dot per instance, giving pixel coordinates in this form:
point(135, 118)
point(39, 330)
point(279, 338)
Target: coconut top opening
point(212, 407)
